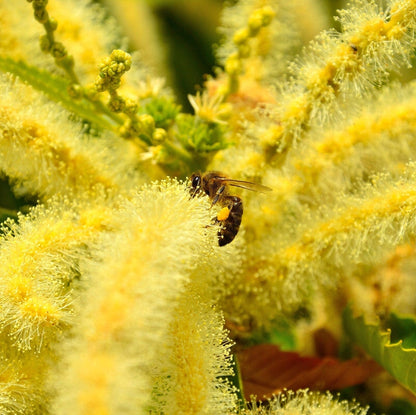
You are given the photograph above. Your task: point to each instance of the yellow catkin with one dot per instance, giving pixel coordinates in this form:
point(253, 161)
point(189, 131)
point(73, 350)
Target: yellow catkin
point(19, 288)
point(379, 137)
point(132, 298)
point(22, 383)
point(44, 154)
point(113, 298)
point(189, 388)
point(360, 50)
point(99, 373)
point(294, 403)
point(39, 265)
point(37, 309)
point(359, 218)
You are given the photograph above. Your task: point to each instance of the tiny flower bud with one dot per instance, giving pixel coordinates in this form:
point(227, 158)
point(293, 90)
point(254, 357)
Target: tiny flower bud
point(233, 65)
point(131, 107)
point(116, 103)
point(120, 56)
point(268, 15)
point(124, 131)
point(40, 3)
point(45, 45)
point(58, 50)
point(260, 18)
point(241, 36)
point(114, 83)
point(159, 135)
point(147, 124)
point(66, 61)
point(53, 24)
point(41, 15)
point(100, 84)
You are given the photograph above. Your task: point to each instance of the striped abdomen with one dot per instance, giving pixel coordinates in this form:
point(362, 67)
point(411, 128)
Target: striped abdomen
point(231, 225)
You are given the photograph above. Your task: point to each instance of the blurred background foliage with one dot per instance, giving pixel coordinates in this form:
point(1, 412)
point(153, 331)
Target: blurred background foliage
point(186, 33)
point(176, 39)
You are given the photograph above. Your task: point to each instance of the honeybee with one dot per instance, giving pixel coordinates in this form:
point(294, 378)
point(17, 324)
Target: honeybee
point(215, 185)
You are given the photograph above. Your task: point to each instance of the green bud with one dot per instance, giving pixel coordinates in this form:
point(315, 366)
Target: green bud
point(58, 50)
point(125, 130)
point(147, 124)
point(104, 64)
point(113, 83)
point(41, 15)
point(40, 3)
point(116, 69)
point(159, 135)
point(260, 18)
point(53, 24)
point(116, 103)
point(45, 45)
point(120, 56)
point(100, 84)
point(90, 91)
point(233, 65)
point(65, 62)
point(268, 15)
point(241, 36)
point(131, 107)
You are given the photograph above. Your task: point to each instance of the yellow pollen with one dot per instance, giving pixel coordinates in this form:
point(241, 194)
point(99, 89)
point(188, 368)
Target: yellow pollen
point(223, 214)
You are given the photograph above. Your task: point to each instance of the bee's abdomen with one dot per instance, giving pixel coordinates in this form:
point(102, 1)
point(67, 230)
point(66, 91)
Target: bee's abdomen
point(231, 225)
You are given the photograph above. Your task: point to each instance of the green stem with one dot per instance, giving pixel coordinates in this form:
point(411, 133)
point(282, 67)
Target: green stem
point(237, 382)
point(179, 152)
point(49, 31)
point(69, 70)
point(103, 109)
point(56, 89)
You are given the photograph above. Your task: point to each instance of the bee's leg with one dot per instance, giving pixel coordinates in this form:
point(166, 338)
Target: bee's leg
point(218, 194)
point(214, 221)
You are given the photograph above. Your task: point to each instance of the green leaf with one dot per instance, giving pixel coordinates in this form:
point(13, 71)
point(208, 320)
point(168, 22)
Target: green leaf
point(55, 88)
point(281, 334)
point(401, 407)
point(162, 109)
point(403, 328)
point(398, 360)
point(236, 381)
point(198, 136)
point(7, 214)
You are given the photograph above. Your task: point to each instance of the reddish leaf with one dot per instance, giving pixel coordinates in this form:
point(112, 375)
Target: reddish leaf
point(325, 343)
point(266, 370)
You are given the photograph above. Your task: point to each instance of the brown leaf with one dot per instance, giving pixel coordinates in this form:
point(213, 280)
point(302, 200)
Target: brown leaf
point(325, 343)
point(266, 370)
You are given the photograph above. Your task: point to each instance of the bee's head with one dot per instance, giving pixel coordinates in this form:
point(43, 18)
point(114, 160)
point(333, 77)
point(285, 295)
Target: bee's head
point(195, 184)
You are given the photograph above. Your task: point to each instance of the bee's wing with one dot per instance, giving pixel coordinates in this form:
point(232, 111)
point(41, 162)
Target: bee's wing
point(256, 187)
